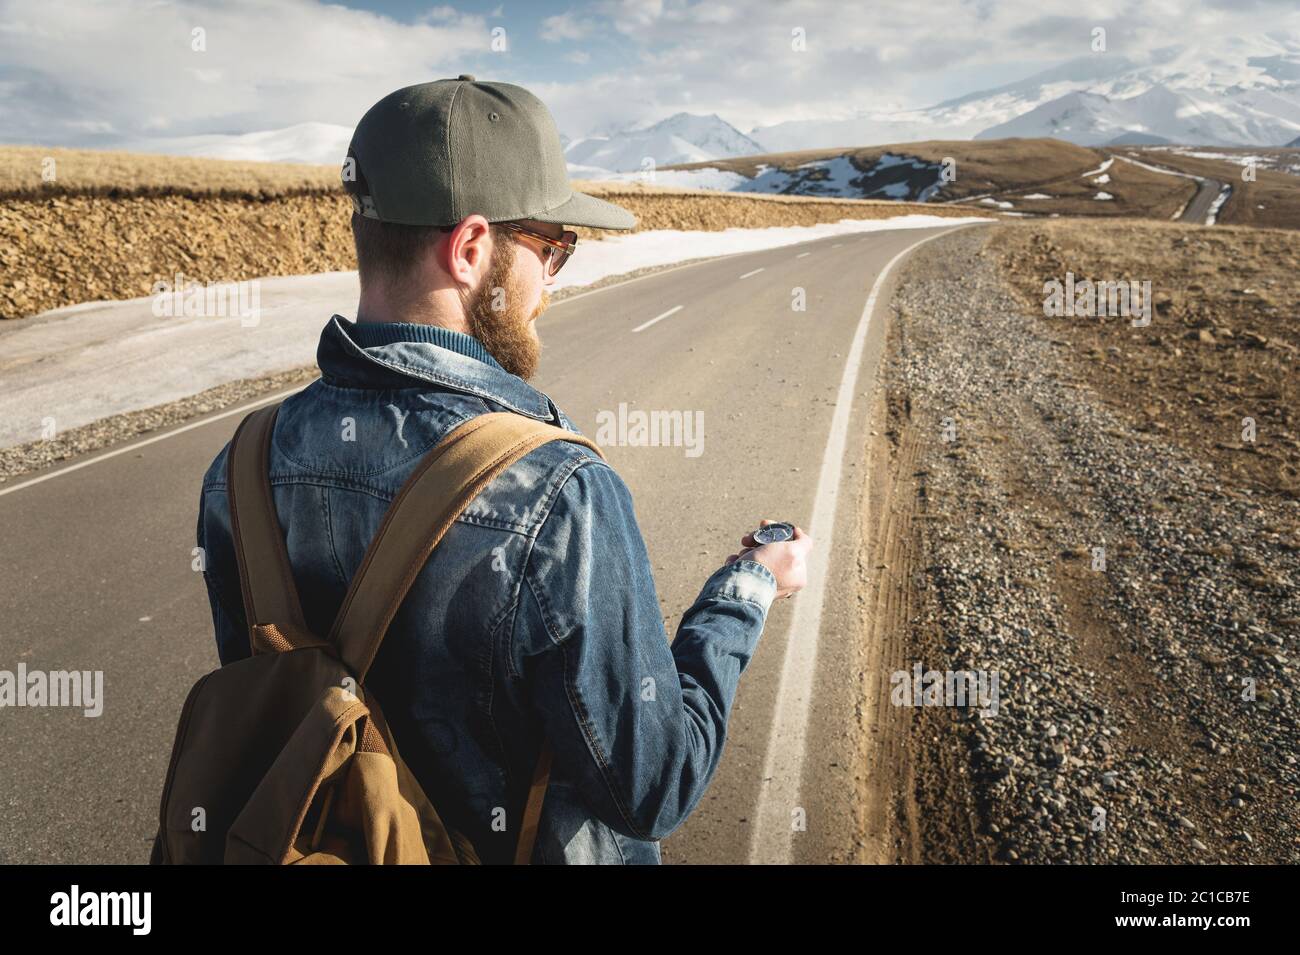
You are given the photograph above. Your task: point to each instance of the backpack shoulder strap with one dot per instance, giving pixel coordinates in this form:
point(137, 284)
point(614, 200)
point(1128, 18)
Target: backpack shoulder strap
point(441, 487)
point(265, 575)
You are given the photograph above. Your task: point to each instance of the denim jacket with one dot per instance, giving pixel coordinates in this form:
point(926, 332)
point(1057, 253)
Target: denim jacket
point(536, 614)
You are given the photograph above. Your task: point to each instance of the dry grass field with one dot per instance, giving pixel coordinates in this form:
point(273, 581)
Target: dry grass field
point(34, 172)
point(1223, 343)
point(1271, 201)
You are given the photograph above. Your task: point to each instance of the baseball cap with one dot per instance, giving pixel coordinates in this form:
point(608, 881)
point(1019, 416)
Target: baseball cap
point(434, 153)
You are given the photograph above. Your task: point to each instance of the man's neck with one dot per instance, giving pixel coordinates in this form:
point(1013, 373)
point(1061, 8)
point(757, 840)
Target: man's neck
point(432, 310)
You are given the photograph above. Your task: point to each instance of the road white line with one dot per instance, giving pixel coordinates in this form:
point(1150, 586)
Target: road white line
point(240, 409)
point(655, 274)
point(773, 840)
point(672, 311)
point(260, 401)
point(802, 254)
point(649, 275)
point(755, 272)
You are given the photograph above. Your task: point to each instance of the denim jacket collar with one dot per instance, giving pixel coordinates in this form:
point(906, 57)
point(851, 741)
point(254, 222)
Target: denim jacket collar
point(404, 364)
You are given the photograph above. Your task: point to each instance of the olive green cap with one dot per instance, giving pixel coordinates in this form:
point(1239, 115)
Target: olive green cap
point(437, 152)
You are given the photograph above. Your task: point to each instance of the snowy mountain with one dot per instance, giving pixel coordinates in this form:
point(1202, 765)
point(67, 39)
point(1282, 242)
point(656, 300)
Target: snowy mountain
point(960, 118)
point(1240, 92)
point(1159, 115)
point(317, 143)
point(681, 138)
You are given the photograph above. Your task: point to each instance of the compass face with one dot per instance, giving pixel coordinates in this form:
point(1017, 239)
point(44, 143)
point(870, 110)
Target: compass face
point(774, 533)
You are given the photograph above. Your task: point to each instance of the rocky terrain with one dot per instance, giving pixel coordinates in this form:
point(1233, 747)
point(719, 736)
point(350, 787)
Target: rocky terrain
point(1136, 593)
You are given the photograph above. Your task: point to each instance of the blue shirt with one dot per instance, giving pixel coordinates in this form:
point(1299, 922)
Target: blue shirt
point(535, 616)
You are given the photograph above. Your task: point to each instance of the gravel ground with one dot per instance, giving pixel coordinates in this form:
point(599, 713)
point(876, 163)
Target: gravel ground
point(1124, 684)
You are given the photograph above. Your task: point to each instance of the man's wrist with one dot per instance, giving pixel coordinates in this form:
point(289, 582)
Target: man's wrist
point(743, 579)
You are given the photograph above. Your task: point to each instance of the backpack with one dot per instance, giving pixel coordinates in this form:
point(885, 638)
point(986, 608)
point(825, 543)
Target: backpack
point(284, 757)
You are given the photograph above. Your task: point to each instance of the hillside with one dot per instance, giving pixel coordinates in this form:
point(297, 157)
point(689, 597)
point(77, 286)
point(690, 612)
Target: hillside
point(1271, 201)
point(110, 225)
point(1040, 177)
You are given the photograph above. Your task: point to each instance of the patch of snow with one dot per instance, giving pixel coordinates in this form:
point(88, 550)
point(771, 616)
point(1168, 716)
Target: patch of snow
point(1238, 158)
point(1103, 195)
point(1102, 179)
point(995, 202)
point(1100, 169)
point(1038, 195)
point(1166, 172)
point(709, 177)
point(891, 177)
point(824, 177)
point(1213, 215)
point(94, 360)
point(324, 144)
point(617, 254)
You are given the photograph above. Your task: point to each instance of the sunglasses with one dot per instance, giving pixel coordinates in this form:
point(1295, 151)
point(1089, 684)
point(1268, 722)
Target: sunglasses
point(557, 250)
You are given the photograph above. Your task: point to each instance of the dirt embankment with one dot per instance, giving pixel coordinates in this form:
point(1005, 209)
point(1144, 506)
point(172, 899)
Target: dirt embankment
point(1074, 508)
point(111, 225)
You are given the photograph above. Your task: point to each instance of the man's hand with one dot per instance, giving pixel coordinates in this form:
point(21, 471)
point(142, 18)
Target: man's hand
point(786, 560)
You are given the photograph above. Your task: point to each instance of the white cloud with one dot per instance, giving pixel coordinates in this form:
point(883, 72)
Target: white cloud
point(67, 66)
point(267, 64)
point(738, 60)
point(564, 26)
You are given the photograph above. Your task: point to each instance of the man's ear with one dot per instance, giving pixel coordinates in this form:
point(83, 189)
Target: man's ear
point(468, 251)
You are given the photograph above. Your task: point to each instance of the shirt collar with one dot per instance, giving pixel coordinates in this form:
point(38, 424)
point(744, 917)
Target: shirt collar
point(402, 354)
point(378, 334)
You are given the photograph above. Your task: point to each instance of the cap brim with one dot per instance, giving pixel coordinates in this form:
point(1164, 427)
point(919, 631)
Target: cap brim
point(584, 210)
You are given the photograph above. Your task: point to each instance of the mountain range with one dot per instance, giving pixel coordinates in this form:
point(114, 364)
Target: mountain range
point(1240, 92)
point(681, 138)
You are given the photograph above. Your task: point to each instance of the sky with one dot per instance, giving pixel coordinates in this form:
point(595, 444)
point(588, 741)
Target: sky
point(100, 73)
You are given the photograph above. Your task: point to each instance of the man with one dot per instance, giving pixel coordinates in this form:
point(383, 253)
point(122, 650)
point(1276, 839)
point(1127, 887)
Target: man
point(536, 617)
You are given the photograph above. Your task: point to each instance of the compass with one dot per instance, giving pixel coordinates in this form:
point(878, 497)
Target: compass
point(773, 533)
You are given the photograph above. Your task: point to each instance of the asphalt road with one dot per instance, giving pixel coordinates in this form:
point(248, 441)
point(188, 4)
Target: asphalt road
point(95, 563)
point(1198, 208)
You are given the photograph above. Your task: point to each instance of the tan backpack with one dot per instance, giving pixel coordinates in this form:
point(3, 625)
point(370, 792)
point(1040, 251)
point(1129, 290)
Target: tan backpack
point(284, 757)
